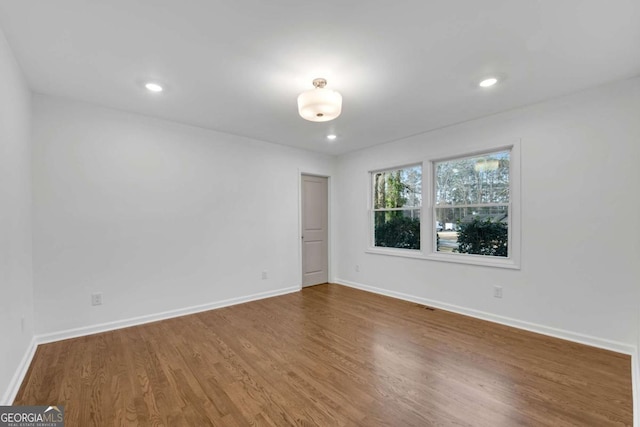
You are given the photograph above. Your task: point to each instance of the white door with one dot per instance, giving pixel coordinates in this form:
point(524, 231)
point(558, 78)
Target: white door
point(315, 212)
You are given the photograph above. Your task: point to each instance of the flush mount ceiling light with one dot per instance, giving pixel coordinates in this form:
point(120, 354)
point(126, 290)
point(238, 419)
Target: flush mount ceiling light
point(331, 137)
point(153, 87)
point(319, 104)
point(488, 82)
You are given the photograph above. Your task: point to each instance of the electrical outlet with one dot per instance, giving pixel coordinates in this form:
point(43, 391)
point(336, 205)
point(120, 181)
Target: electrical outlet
point(265, 276)
point(357, 269)
point(497, 291)
point(96, 299)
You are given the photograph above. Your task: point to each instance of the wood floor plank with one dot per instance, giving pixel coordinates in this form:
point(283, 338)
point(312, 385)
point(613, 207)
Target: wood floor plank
point(329, 356)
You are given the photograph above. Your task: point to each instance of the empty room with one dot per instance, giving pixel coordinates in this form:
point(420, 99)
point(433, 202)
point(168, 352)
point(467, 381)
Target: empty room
point(250, 213)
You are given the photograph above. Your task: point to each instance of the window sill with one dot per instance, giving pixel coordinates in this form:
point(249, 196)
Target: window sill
point(486, 261)
point(405, 253)
point(480, 260)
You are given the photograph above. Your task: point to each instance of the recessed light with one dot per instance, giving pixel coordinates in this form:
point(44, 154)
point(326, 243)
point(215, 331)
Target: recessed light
point(488, 82)
point(153, 87)
point(331, 137)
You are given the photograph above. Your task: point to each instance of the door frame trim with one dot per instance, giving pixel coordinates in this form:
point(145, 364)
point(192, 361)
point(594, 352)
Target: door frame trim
point(329, 224)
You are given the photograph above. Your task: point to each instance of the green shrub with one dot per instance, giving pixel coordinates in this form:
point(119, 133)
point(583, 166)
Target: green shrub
point(483, 238)
point(399, 232)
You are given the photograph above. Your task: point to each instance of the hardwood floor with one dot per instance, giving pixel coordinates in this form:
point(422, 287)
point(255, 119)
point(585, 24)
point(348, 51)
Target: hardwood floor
point(329, 356)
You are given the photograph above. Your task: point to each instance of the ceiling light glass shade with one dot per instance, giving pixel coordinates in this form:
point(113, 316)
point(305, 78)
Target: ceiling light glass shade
point(319, 104)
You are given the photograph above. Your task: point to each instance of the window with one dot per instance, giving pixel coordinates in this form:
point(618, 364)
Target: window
point(472, 212)
point(396, 202)
point(472, 205)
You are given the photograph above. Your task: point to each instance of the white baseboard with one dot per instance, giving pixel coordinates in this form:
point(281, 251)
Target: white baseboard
point(635, 377)
point(14, 386)
point(140, 320)
point(616, 346)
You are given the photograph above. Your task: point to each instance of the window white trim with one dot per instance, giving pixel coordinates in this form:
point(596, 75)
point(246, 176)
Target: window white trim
point(371, 247)
point(427, 233)
point(513, 260)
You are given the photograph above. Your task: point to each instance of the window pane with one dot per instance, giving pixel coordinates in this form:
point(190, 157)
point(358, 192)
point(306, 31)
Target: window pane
point(397, 229)
point(398, 188)
point(473, 180)
point(479, 231)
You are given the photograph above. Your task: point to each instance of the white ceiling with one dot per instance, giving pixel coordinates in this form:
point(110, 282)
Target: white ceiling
point(403, 67)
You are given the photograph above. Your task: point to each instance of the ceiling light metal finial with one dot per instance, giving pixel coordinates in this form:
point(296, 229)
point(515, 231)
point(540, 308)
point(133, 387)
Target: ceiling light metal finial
point(319, 83)
point(319, 104)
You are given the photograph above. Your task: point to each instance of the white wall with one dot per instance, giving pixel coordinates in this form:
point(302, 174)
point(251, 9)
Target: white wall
point(16, 282)
point(580, 220)
point(156, 215)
